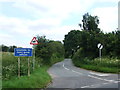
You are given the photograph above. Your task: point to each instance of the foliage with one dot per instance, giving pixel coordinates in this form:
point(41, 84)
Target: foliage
point(47, 53)
point(76, 39)
point(10, 66)
point(7, 49)
point(81, 46)
point(38, 79)
point(48, 49)
point(106, 64)
point(87, 40)
point(90, 23)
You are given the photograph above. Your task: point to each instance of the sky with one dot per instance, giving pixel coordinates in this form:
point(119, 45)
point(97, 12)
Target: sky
point(21, 20)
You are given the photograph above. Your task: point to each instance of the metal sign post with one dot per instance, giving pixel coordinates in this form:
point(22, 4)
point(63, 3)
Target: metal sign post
point(100, 53)
point(33, 59)
point(34, 41)
point(100, 46)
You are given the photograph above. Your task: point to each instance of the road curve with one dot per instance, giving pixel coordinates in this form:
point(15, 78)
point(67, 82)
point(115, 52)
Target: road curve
point(66, 75)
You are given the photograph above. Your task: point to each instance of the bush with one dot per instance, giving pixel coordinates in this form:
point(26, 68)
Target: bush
point(49, 51)
point(107, 65)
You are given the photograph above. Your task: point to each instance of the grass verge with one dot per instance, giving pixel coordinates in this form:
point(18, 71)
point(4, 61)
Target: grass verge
point(38, 79)
point(104, 65)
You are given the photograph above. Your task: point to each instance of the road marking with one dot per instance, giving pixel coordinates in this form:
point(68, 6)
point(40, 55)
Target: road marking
point(85, 86)
point(98, 74)
point(72, 70)
point(101, 78)
point(77, 72)
point(90, 86)
point(105, 83)
point(97, 84)
point(53, 75)
point(65, 67)
point(94, 76)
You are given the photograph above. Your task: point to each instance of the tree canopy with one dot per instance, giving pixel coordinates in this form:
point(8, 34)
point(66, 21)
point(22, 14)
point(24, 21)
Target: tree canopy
point(87, 40)
point(90, 23)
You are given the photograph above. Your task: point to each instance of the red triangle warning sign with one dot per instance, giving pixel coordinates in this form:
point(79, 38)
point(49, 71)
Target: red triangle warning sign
point(34, 41)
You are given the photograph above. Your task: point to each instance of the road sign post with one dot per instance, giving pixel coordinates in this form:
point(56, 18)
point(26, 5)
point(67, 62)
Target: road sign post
point(34, 60)
point(23, 52)
point(34, 41)
point(100, 53)
point(100, 46)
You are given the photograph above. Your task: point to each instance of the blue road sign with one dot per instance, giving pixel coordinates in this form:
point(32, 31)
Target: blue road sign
point(23, 52)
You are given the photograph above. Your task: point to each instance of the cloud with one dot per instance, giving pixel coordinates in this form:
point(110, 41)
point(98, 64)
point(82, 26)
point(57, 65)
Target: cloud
point(48, 17)
point(108, 17)
point(113, 1)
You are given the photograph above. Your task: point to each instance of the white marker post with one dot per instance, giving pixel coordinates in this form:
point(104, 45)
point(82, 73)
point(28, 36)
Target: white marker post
point(100, 46)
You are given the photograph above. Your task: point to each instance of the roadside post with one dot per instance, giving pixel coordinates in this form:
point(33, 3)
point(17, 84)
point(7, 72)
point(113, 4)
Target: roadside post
point(18, 67)
point(28, 67)
point(23, 52)
point(34, 41)
point(100, 46)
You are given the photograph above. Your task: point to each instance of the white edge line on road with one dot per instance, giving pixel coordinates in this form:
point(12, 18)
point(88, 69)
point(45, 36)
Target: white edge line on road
point(101, 78)
point(98, 74)
point(97, 84)
point(85, 86)
point(105, 83)
point(92, 76)
point(65, 67)
point(72, 70)
point(76, 72)
point(110, 81)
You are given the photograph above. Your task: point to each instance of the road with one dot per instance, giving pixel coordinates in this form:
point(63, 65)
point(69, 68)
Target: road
point(66, 75)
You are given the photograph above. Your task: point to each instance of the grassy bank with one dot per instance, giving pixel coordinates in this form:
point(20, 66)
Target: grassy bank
point(105, 65)
point(38, 79)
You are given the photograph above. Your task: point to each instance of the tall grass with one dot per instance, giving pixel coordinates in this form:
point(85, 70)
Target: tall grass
point(38, 78)
point(106, 65)
point(10, 65)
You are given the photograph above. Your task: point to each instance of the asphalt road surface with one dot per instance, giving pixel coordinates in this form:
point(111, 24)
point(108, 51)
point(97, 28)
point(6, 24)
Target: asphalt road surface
point(66, 75)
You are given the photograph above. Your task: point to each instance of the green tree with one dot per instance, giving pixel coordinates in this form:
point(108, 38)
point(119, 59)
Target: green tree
point(90, 23)
point(71, 42)
point(4, 48)
point(50, 51)
point(11, 48)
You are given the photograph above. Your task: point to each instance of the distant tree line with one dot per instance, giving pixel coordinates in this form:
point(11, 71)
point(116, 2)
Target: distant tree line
point(86, 40)
point(5, 48)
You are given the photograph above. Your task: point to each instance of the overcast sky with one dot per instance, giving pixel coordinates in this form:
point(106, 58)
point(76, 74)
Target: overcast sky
point(21, 20)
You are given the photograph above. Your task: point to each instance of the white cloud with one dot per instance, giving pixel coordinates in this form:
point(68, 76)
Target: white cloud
point(113, 1)
point(48, 16)
point(53, 8)
point(108, 17)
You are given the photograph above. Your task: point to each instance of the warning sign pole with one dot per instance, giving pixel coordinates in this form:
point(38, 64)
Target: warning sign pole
point(34, 41)
point(100, 54)
point(33, 59)
point(100, 46)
